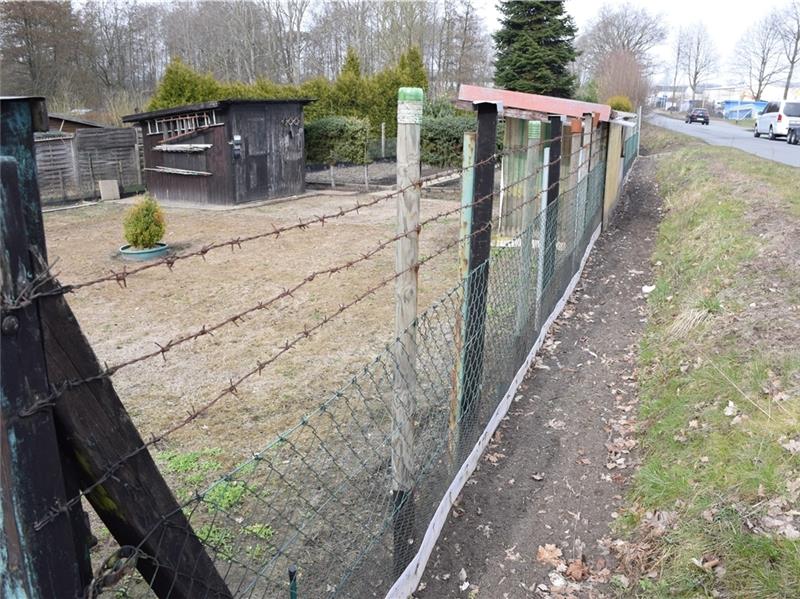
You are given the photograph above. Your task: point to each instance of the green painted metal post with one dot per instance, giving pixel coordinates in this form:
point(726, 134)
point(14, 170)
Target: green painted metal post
point(292, 582)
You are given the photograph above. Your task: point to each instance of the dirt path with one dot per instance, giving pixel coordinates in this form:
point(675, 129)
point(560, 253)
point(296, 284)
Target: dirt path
point(557, 467)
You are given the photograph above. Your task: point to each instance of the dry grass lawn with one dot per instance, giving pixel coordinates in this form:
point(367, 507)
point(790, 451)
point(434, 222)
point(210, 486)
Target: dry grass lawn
point(157, 305)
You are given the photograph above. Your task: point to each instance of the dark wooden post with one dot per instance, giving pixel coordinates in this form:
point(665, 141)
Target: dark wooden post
point(477, 290)
point(553, 177)
point(92, 427)
point(34, 563)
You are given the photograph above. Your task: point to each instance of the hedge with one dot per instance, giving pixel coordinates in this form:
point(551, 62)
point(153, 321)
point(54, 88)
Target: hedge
point(335, 139)
point(442, 138)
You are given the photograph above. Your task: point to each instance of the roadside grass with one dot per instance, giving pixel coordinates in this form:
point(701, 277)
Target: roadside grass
point(719, 400)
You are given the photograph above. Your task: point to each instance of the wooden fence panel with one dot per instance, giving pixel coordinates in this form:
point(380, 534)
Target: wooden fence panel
point(55, 160)
point(70, 166)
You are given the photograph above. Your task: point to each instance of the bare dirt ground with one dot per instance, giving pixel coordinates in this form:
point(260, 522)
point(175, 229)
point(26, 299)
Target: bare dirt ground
point(158, 304)
point(535, 519)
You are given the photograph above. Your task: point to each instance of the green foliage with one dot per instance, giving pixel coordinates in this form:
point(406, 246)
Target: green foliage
point(335, 139)
point(183, 85)
point(225, 495)
point(622, 103)
point(220, 539)
point(588, 92)
point(535, 46)
point(144, 224)
point(352, 94)
point(261, 531)
point(442, 139)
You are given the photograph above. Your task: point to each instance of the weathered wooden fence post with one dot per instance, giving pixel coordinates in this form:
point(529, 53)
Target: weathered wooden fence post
point(97, 440)
point(383, 140)
point(35, 564)
point(529, 210)
point(467, 192)
point(409, 118)
point(478, 267)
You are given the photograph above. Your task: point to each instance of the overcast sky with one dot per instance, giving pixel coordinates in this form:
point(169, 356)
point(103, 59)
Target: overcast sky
point(726, 20)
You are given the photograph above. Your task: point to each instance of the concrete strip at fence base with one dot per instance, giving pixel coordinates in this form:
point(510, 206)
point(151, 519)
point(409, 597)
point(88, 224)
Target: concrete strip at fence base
point(409, 580)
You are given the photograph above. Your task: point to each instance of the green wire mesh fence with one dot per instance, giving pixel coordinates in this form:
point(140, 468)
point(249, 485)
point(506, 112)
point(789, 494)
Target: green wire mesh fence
point(319, 496)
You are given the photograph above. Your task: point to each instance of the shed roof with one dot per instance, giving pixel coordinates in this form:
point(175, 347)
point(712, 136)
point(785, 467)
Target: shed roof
point(532, 103)
point(71, 119)
point(176, 110)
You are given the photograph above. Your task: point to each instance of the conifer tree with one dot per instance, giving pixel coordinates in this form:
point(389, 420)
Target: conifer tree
point(535, 46)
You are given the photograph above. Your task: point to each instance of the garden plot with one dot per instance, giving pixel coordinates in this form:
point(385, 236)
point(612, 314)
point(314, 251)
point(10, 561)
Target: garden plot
point(158, 305)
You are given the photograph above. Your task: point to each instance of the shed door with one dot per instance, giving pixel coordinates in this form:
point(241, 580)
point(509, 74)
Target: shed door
point(257, 158)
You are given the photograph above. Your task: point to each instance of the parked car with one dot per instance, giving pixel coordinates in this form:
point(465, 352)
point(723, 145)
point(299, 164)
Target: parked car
point(776, 119)
point(793, 136)
point(697, 115)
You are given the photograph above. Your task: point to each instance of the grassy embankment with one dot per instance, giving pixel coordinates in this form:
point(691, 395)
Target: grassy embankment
point(714, 509)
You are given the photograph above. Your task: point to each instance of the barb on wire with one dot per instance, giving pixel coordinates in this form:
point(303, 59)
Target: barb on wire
point(60, 388)
point(307, 331)
point(32, 292)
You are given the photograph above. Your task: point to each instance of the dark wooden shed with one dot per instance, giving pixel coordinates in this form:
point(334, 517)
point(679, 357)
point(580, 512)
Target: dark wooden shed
point(224, 152)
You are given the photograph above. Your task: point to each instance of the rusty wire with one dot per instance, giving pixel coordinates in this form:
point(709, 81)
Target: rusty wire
point(31, 292)
point(233, 387)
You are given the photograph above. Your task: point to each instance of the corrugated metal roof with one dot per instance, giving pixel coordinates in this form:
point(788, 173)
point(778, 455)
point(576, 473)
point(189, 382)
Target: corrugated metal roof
point(533, 102)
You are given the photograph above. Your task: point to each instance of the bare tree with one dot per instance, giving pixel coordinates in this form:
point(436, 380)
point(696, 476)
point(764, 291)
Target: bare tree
point(788, 26)
point(759, 56)
point(621, 73)
point(700, 57)
point(622, 27)
point(679, 48)
point(42, 45)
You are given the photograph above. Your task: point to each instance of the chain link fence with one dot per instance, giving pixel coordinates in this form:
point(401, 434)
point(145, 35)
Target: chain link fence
point(319, 498)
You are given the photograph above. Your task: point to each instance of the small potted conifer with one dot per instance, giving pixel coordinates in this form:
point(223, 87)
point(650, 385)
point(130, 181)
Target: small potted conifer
point(144, 227)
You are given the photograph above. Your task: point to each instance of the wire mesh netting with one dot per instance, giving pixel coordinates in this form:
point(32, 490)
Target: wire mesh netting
point(337, 504)
point(321, 497)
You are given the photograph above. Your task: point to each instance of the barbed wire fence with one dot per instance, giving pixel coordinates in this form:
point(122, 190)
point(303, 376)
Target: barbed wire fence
point(344, 503)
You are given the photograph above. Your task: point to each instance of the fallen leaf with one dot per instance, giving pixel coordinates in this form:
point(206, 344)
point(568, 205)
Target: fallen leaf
point(648, 289)
point(549, 554)
point(462, 575)
point(577, 570)
point(556, 425)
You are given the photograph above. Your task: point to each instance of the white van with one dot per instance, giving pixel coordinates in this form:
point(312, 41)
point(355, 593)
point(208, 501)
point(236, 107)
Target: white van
point(776, 119)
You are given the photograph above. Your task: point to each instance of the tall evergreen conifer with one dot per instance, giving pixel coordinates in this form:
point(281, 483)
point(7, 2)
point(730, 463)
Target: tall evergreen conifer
point(535, 46)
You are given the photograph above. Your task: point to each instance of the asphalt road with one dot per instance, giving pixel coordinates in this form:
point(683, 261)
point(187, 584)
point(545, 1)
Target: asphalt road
point(724, 134)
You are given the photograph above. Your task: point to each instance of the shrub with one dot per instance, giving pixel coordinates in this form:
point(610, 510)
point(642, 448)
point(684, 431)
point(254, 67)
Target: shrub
point(335, 139)
point(144, 224)
point(622, 103)
point(442, 139)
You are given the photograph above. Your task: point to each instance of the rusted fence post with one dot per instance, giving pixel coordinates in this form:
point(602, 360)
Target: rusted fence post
point(409, 118)
point(34, 563)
